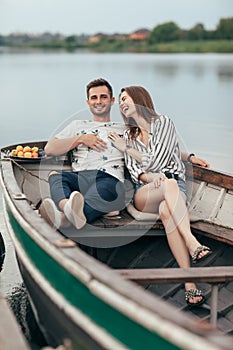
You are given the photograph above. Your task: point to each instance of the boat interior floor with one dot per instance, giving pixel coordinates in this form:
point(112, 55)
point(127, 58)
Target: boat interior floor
point(153, 252)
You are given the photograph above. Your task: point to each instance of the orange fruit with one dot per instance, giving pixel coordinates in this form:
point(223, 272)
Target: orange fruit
point(34, 149)
point(20, 154)
point(19, 148)
point(14, 152)
point(34, 155)
point(26, 149)
point(28, 154)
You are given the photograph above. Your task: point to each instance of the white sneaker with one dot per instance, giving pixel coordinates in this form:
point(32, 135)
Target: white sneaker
point(50, 213)
point(73, 210)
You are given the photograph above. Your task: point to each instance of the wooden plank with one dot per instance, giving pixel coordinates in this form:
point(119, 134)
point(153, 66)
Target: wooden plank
point(210, 176)
point(11, 337)
point(219, 233)
point(225, 214)
point(179, 275)
point(197, 196)
point(218, 204)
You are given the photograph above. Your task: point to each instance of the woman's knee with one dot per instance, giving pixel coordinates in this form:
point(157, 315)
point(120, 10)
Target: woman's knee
point(171, 185)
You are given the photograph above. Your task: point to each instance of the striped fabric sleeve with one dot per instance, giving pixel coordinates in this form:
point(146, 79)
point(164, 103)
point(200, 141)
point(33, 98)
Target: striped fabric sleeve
point(134, 168)
point(162, 147)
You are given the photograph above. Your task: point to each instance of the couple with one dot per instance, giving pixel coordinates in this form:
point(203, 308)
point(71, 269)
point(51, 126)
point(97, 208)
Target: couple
point(151, 153)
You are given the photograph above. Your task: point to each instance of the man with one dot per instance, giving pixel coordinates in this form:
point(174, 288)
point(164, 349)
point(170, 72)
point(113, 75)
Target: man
point(95, 185)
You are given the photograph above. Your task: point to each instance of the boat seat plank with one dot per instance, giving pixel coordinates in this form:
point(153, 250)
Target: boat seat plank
point(211, 230)
point(178, 275)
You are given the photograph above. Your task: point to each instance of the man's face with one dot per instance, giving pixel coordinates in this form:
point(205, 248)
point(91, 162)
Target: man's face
point(99, 101)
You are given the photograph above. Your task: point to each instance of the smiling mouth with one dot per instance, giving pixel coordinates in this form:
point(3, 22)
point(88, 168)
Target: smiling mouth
point(124, 109)
point(99, 108)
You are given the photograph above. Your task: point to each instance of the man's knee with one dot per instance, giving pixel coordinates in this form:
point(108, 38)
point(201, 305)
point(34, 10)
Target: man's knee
point(53, 172)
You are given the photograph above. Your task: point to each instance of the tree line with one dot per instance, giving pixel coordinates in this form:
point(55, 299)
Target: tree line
point(166, 37)
point(170, 31)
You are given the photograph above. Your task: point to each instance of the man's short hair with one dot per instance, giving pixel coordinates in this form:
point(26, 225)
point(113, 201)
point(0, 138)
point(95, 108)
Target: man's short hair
point(99, 82)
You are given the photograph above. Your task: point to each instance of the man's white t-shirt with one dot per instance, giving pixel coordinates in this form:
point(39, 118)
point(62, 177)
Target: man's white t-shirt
point(110, 161)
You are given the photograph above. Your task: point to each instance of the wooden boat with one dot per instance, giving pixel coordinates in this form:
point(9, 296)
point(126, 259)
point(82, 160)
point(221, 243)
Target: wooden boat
point(115, 284)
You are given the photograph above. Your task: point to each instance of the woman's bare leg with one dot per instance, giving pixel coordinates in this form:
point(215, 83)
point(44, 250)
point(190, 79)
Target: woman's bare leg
point(177, 245)
point(148, 199)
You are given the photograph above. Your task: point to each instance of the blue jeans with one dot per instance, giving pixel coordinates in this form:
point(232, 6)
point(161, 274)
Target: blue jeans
point(102, 192)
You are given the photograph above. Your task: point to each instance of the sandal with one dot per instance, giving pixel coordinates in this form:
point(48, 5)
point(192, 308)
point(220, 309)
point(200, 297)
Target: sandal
point(192, 293)
point(200, 249)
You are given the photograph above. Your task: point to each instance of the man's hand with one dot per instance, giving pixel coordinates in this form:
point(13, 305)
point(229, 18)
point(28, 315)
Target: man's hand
point(94, 142)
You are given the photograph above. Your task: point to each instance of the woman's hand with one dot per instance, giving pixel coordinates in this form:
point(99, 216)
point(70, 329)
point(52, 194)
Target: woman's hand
point(158, 179)
point(117, 141)
point(155, 178)
point(199, 161)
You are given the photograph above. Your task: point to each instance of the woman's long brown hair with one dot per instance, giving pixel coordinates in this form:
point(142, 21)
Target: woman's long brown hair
point(144, 107)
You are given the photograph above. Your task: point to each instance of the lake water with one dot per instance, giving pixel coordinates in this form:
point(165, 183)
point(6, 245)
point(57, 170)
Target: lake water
point(40, 90)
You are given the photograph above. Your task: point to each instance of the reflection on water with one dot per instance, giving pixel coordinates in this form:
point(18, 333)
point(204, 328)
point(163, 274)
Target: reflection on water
point(19, 303)
point(225, 73)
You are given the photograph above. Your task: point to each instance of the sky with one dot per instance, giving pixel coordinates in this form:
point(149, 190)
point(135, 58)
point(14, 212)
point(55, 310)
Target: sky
point(89, 17)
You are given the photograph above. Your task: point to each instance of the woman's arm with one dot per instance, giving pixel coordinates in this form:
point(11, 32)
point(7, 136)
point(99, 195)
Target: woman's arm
point(194, 159)
point(163, 145)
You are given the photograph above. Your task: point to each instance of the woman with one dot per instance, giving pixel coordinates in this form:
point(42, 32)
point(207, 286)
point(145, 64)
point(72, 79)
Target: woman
point(153, 158)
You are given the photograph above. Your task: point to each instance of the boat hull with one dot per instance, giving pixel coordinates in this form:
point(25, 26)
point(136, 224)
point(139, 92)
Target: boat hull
point(68, 308)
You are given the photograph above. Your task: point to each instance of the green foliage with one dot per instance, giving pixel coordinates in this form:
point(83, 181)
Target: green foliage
point(164, 33)
point(198, 32)
point(201, 46)
point(71, 40)
point(225, 29)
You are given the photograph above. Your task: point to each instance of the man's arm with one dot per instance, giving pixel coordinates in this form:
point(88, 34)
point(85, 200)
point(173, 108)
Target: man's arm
point(194, 160)
point(56, 146)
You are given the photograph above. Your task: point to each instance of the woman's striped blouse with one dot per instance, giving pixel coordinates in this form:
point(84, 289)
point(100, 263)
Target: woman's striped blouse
point(162, 153)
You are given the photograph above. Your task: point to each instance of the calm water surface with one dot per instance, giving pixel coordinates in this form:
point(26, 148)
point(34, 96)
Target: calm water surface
point(41, 90)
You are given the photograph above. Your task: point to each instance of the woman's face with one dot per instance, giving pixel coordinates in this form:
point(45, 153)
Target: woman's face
point(127, 106)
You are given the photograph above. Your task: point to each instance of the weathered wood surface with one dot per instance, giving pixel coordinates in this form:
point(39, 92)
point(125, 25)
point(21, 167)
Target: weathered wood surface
point(11, 337)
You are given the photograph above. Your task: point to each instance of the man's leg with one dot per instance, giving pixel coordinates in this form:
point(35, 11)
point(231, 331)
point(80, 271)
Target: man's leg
point(106, 194)
point(62, 184)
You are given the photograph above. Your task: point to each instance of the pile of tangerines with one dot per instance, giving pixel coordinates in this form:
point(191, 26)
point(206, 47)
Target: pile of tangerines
point(26, 152)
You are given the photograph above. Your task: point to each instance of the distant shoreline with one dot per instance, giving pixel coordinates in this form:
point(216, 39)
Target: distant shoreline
point(204, 46)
